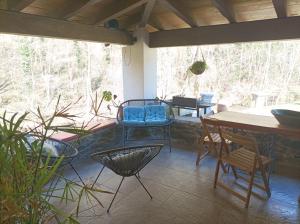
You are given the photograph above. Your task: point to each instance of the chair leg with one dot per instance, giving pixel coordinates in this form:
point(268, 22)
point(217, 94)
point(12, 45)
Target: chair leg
point(223, 167)
point(169, 137)
point(81, 180)
point(115, 194)
point(217, 173)
point(98, 176)
point(234, 172)
point(143, 186)
point(124, 136)
point(266, 182)
point(249, 189)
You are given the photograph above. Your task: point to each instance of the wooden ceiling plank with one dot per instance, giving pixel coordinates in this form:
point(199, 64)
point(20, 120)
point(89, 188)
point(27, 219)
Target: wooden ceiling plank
point(3, 4)
point(27, 24)
point(225, 9)
point(147, 12)
point(122, 11)
point(175, 8)
point(81, 8)
point(259, 30)
point(155, 25)
point(132, 20)
point(20, 5)
point(280, 8)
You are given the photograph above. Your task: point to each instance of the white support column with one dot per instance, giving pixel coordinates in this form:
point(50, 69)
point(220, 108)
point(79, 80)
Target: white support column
point(139, 69)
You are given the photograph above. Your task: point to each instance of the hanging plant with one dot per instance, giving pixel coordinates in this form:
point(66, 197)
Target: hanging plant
point(198, 67)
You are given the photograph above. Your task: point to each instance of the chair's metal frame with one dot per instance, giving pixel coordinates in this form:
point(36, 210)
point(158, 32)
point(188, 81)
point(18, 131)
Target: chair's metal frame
point(136, 173)
point(143, 102)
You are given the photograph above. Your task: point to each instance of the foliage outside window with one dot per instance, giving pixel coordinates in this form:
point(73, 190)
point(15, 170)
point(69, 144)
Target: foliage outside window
point(38, 70)
point(235, 73)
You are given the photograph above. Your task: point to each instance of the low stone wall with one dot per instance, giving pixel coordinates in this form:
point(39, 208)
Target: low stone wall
point(185, 133)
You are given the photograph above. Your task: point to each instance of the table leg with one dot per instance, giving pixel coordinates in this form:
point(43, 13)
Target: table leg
point(205, 110)
point(198, 112)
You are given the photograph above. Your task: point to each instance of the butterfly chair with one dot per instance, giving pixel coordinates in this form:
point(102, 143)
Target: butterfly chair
point(126, 162)
point(210, 140)
point(246, 157)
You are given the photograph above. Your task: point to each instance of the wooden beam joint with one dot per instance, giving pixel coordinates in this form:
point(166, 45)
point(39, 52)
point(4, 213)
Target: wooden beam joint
point(121, 12)
point(147, 12)
point(280, 8)
point(225, 9)
point(177, 9)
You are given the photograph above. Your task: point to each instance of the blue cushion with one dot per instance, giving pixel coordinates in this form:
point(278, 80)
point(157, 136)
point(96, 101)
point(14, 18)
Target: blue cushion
point(134, 115)
point(155, 114)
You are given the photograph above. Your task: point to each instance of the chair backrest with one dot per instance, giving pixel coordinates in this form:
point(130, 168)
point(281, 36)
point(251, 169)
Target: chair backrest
point(144, 103)
point(247, 141)
point(184, 102)
point(244, 140)
point(208, 128)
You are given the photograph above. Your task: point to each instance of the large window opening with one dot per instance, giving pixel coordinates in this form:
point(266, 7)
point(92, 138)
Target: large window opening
point(246, 76)
point(35, 71)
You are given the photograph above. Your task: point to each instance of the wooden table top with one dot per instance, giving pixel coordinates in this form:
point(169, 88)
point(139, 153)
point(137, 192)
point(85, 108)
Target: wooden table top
point(254, 122)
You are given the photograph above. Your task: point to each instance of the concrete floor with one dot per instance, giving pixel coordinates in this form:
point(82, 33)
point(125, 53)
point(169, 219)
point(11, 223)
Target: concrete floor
point(183, 193)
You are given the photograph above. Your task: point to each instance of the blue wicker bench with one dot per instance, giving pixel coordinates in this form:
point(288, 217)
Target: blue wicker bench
point(146, 113)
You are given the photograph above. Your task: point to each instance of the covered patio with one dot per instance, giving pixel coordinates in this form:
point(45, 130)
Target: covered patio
point(182, 191)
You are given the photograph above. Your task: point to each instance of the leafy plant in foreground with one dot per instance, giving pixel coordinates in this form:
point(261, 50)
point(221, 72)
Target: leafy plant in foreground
point(29, 177)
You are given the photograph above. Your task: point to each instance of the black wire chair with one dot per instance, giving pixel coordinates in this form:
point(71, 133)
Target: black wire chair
point(126, 162)
point(55, 149)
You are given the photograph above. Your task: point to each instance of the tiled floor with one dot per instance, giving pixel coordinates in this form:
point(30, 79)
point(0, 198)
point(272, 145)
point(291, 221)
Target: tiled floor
point(183, 193)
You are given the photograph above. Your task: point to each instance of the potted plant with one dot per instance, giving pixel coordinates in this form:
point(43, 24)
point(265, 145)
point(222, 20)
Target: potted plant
point(198, 67)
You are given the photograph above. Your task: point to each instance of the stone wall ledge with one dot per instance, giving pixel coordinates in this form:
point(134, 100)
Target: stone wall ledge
point(93, 127)
point(185, 132)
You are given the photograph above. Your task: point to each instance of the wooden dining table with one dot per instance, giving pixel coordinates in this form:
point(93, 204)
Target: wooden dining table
point(267, 125)
point(254, 122)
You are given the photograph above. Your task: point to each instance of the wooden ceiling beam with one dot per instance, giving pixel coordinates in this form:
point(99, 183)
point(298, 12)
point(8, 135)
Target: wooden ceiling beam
point(147, 12)
point(26, 24)
point(261, 30)
point(225, 9)
point(177, 9)
point(121, 12)
point(19, 5)
point(81, 8)
point(280, 8)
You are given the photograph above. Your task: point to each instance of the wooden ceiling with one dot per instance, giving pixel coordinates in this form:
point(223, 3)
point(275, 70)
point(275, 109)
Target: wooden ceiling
point(156, 15)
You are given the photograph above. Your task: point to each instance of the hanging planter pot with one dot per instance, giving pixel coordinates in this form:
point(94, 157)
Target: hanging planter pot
point(198, 67)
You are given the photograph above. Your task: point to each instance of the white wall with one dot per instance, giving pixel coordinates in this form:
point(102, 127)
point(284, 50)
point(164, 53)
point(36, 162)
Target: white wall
point(139, 69)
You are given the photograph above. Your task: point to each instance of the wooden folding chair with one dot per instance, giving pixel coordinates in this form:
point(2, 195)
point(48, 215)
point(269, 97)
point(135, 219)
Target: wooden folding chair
point(210, 140)
point(247, 158)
